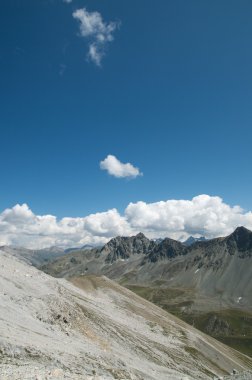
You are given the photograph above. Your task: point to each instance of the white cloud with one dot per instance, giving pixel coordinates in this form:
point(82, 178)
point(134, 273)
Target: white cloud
point(102, 224)
point(203, 215)
point(67, 1)
point(97, 31)
point(117, 169)
point(20, 226)
point(95, 54)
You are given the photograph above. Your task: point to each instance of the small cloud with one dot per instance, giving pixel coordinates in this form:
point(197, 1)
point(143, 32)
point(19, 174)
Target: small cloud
point(67, 1)
point(119, 170)
point(97, 31)
point(95, 54)
point(62, 69)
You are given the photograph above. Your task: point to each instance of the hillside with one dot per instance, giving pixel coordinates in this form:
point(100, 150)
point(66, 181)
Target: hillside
point(93, 326)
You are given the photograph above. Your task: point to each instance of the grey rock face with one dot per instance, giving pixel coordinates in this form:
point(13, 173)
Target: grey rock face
point(124, 247)
point(240, 240)
point(166, 249)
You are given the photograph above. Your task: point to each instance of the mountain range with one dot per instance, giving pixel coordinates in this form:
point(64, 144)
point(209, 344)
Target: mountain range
point(206, 266)
point(208, 283)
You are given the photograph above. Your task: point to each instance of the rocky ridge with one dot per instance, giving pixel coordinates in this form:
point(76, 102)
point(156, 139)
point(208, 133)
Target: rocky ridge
point(206, 266)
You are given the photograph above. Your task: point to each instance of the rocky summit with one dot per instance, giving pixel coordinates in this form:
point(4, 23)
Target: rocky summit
point(124, 247)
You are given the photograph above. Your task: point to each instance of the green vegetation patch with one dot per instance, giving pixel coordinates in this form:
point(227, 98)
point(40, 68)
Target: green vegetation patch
point(231, 326)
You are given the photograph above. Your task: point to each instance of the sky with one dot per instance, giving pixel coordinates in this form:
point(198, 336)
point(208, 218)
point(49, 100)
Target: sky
point(118, 117)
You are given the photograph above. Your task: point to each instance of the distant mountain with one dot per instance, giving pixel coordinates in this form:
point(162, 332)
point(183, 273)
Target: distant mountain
point(38, 257)
point(83, 248)
point(142, 260)
point(119, 256)
point(191, 240)
point(158, 240)
point(35, 257)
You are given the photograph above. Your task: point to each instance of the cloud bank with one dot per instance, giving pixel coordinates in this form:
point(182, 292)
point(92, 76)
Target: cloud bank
point(119, 170)
point(98, 33)
point(203, 215)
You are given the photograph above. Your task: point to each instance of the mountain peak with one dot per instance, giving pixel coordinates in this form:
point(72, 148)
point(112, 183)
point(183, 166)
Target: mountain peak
point(239, 231)
point(242, 237)
point(191, 240)
point(140, 235)
point(124, 247)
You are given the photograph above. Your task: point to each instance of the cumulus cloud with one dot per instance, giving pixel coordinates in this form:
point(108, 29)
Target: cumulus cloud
point(202, 215)
point(98, 33)
point(119, 170)
point(20, 226)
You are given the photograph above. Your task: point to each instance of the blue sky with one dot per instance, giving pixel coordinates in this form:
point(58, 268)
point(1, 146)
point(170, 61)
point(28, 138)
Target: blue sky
point(172, 96)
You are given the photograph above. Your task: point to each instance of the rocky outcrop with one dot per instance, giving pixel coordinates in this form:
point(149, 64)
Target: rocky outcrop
point(240, 242)
point(216, 326)
point(124, 247)
point(167, 249)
